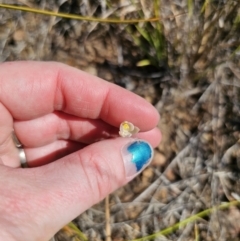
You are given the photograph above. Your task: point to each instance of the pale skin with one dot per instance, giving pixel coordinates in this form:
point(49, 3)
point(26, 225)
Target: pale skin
point(68, 122)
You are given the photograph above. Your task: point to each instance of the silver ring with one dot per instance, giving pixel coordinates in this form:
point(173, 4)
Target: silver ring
point(23, 159)
point(19, 146)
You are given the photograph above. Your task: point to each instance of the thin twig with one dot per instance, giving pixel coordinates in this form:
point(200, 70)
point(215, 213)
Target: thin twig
point(107, 218)
point(77, 17)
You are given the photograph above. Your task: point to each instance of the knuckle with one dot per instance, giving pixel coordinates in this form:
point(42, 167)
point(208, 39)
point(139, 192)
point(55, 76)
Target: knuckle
point(98, 174)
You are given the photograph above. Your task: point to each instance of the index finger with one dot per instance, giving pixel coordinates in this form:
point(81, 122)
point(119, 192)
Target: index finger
point(33, 89)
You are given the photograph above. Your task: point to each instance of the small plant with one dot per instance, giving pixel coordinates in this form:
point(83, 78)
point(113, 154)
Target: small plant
point(149, 37)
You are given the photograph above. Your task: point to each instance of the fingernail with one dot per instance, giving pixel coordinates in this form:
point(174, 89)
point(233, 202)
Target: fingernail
point(136, 156)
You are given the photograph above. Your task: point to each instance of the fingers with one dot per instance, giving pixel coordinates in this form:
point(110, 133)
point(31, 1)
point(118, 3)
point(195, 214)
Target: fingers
point(39, 88)
point(8, 151)
point(153, 136)
point(38, 156)
point(6, 123)
point(60, 126)
point(50, 104)
point(43, 155)
point(75, 182)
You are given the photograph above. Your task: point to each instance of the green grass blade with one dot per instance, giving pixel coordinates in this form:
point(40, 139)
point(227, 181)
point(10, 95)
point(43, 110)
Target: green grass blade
point(76, 17)
point(190, 7)
point(191, 219)
point(77, 231)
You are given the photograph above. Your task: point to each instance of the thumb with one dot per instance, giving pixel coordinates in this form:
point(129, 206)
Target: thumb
point(69, 186)
point(87, 176)
point(53, 195)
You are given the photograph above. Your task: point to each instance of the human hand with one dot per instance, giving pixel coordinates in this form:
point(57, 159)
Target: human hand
point(65, 119)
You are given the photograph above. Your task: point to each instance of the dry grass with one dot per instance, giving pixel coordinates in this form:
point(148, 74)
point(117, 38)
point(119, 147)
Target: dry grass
point(194, 84)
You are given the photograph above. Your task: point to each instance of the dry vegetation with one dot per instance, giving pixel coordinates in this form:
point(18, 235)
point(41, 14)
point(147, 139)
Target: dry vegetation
point(193, 80)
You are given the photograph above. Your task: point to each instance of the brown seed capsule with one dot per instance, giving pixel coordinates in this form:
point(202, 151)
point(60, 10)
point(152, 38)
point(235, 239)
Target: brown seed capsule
point(127, 129)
